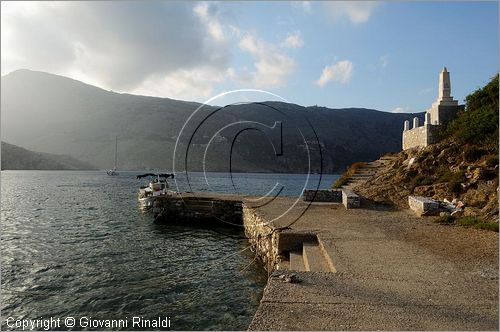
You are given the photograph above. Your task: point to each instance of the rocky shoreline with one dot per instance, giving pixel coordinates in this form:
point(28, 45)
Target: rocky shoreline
point(445, 172)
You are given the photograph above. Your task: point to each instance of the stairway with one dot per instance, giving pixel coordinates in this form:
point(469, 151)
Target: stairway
point(310, 258)
point(366, 172)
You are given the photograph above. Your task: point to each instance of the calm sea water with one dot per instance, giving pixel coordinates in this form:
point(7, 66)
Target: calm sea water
point(75, 244)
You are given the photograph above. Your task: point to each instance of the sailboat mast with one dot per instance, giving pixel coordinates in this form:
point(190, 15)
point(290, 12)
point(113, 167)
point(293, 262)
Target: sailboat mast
point(116, 150)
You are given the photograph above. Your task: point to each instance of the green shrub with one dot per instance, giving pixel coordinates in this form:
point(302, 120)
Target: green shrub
point(444, 174)
point(447, 219)
point(473, 153)
point(477, 223)
point(454, 179)
point(478, 124)
point(490, 226)
point(455, 183)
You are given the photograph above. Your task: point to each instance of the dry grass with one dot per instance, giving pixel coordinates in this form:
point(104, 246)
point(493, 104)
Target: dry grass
point(344, 178)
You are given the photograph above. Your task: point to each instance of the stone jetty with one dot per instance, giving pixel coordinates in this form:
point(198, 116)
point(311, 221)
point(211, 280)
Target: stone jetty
point(370, 268)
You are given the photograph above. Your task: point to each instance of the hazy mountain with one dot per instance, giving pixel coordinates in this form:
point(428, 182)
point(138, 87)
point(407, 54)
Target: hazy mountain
point(46, 112)
point(17, 158)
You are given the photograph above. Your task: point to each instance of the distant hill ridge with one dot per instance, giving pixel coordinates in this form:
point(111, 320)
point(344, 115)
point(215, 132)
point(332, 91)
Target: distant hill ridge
point(17, 158)
point(56, 114)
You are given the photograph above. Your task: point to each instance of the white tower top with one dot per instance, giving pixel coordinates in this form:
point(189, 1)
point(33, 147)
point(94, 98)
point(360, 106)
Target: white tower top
point(444, 93)
point(444, 98)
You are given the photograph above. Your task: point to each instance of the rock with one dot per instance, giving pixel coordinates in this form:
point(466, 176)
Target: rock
point(444, 214)
point(471, 212)
point(478, 174)
point(426, 191)
point(289, 278)
point(423, 205)
point(457, 213)
point(447, 206)
point(410, 163)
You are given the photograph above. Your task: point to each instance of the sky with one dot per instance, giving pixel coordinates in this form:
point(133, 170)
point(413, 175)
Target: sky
point(380, 55)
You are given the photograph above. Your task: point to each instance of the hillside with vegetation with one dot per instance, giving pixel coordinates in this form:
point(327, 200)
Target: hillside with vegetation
point(65, 116)
point(463, 166)
point(17, 158)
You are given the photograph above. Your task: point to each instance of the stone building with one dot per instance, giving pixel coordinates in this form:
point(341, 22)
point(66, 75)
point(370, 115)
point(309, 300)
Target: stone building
point(442, 111)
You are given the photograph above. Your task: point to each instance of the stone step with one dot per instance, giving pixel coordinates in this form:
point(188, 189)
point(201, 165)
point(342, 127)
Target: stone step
point(314, 259)
point(297, 261)
point(283, 265)
point(353, 183)
point(327, 255)
point(350, 199)
point(361, 176)
point(371, 170)
point(359, 179)
point(370, 166)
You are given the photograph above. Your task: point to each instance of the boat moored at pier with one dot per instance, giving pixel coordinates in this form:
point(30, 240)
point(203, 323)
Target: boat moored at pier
point(157, 187)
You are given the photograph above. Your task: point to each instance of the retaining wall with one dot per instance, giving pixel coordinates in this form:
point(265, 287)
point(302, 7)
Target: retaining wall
point(323, 195)
point(421, 136)
point(262, 237)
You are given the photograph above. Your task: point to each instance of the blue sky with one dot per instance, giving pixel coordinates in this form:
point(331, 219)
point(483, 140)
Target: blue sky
point(382, 55)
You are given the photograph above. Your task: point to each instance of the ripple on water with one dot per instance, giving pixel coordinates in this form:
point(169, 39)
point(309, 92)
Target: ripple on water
point(79, 245)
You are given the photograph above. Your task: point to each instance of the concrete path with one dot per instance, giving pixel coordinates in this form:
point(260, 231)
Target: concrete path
point(394, 271)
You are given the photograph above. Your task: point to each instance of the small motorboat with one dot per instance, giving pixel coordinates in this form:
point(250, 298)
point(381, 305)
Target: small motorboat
point(157, 187)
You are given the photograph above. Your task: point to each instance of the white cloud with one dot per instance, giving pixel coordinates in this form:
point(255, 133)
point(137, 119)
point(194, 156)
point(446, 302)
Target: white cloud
point(340, 71)
point(272, 67)
point(186, 84)
point(293, 40)
point(169, 49)
point(401, 109)
point(305, 6)
point(356, 11)
point(118, 45)
point(208, 15)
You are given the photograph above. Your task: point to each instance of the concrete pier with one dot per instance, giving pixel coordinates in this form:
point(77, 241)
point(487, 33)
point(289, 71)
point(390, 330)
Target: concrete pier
point(333, 268)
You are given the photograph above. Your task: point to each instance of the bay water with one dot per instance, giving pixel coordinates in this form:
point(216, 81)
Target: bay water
point(74, 243)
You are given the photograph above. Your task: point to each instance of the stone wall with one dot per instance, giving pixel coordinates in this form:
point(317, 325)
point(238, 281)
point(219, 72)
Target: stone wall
point(448, 113)
point(195, 210)
point(273, 245)
point(350, 200)
point(262, 237)
point(323, 195)
point(420, 136)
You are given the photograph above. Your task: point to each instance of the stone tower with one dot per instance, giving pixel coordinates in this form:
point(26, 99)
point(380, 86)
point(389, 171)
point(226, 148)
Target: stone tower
point(445, 107)
point(444, 85)
point(442, 111)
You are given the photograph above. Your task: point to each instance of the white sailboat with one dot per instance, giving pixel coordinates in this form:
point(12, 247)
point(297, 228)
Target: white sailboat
point(113, 171)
